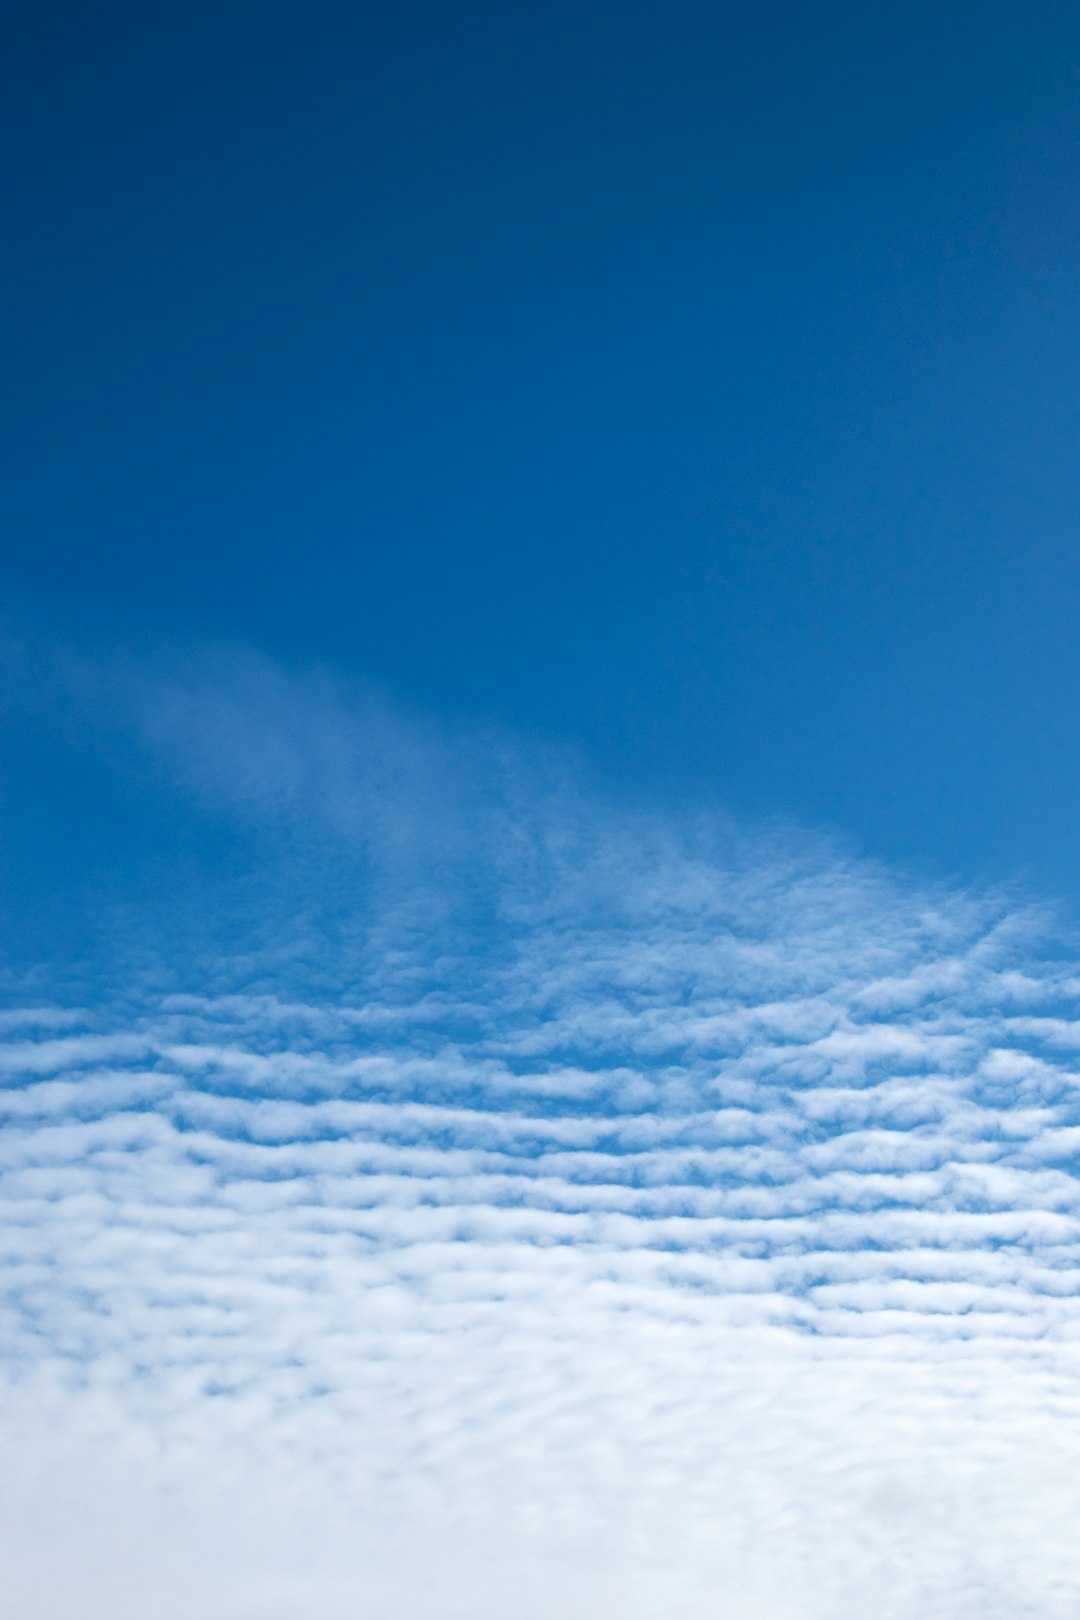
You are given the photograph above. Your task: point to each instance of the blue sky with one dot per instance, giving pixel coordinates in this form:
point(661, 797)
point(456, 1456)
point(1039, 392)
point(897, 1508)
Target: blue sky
point(538, 1046)
point(696, 385)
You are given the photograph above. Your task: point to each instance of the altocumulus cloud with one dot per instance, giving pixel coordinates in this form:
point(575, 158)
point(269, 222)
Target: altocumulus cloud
point(527, 1207)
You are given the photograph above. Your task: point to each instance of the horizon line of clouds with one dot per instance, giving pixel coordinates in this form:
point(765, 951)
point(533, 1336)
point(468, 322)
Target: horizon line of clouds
point(317, 762)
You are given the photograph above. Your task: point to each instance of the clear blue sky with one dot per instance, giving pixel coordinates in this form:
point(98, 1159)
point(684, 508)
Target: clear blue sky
point(697, 383)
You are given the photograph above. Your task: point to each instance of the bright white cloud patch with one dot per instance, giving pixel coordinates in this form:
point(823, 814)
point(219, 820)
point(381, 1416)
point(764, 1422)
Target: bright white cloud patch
point(616, 1225)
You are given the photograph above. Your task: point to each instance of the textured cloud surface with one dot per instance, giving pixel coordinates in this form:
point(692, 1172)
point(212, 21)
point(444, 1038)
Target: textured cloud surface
point(604, 1217)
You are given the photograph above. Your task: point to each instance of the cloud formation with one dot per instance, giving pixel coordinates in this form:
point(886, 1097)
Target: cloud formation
point(609, 1213)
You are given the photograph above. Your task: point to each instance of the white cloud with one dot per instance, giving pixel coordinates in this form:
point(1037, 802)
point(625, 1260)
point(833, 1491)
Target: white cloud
point(613, 1216)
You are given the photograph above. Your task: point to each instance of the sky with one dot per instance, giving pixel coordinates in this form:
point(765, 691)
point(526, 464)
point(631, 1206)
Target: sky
point(538, 998)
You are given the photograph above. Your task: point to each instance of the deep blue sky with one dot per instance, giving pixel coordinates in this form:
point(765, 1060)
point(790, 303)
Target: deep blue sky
point(698, 383)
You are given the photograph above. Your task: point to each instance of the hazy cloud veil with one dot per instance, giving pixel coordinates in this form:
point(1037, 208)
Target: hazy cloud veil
point(496, 1203)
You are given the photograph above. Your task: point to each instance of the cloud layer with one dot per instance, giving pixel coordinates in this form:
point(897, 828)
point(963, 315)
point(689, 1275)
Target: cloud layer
point(607, 1214)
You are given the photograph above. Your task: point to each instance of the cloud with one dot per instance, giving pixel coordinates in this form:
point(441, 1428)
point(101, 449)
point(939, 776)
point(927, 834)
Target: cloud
point(587, 1210)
